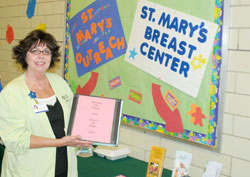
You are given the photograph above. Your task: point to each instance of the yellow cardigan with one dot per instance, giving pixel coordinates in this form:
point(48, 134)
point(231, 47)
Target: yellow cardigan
point(18, 121)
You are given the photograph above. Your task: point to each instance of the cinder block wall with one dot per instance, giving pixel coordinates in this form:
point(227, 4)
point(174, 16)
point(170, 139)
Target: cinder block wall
point(13, 13)
point(234, 155)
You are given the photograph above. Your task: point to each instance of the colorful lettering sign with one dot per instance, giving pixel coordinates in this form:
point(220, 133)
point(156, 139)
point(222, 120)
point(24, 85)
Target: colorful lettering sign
point(96, 35)
point(170, 45)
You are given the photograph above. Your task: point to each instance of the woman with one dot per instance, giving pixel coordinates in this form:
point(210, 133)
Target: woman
point(34, 114)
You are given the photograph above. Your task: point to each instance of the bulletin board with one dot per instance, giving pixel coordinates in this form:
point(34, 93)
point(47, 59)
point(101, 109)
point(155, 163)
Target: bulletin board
point(161, 57)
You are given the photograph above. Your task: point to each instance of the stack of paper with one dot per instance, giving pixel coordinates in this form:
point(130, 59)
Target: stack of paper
point(212, 169)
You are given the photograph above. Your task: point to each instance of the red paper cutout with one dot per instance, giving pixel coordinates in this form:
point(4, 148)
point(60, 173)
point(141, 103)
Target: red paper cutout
point(198, 116)
point(9, 34)
point(89, 87)
point(172, 118)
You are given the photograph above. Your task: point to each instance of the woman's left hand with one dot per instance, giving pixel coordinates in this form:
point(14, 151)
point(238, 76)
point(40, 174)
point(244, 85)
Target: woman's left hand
point(74, 141)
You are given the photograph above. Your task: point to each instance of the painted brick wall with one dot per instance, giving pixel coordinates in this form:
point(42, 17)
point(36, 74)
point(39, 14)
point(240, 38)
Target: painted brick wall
point(13, 13)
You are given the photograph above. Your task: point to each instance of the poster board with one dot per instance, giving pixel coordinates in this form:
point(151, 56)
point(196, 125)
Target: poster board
point(102, 35)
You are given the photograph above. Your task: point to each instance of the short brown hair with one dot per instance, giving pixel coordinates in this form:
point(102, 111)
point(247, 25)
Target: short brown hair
point(32, 40)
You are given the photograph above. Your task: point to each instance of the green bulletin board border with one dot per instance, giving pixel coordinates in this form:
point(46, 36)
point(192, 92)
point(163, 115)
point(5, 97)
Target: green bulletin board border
point(209, 139)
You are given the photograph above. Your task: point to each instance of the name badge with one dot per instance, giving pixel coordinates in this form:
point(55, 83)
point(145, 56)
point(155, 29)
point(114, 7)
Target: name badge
point(38, 108)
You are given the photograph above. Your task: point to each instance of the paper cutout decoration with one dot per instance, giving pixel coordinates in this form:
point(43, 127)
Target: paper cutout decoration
point(1, 87)
point(41, 27)
point(172, 100)
point(133, 53)
point(89, 87)
point(116, 82)
point(9, 34)
point(31, 8)
point(193, 110)
point(135, 96)
point(197, 115)
point(172, 118)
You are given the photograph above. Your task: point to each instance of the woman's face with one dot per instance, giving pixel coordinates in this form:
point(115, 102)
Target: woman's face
point(38, 59)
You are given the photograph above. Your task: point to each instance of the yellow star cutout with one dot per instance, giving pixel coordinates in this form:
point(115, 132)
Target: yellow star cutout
point(200, 60)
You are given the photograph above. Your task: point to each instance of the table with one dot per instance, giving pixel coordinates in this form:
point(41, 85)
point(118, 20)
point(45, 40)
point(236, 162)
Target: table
point(96, 166)
point(1, 156)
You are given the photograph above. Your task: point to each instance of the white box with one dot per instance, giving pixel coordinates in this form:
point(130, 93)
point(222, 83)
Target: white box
point(112, 153)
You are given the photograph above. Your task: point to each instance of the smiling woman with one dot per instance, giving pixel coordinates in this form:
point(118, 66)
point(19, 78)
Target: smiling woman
point(35, 111)
point(36, 38)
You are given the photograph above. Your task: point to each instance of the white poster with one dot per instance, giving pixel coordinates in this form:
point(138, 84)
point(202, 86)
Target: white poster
point(170, 45)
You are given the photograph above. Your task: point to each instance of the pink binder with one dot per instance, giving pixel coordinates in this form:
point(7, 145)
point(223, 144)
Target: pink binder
point(96, 119)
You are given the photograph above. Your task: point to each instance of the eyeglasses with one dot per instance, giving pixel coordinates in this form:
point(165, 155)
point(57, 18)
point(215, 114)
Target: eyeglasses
point(37, 52)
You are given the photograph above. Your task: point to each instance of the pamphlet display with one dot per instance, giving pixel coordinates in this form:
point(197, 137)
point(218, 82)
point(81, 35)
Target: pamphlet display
point(156, 161)
point(182, 164)
point(213, 169)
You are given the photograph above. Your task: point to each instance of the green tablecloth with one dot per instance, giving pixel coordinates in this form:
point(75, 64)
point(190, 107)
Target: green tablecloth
point(101, 167)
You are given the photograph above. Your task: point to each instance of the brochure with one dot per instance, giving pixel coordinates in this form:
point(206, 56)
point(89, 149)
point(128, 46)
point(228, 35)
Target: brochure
point(156, 161)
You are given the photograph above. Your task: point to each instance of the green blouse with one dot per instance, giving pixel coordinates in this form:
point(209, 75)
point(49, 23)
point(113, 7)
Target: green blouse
point(18, 121)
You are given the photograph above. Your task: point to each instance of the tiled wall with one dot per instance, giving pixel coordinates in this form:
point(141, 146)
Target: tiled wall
point(235, 153)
